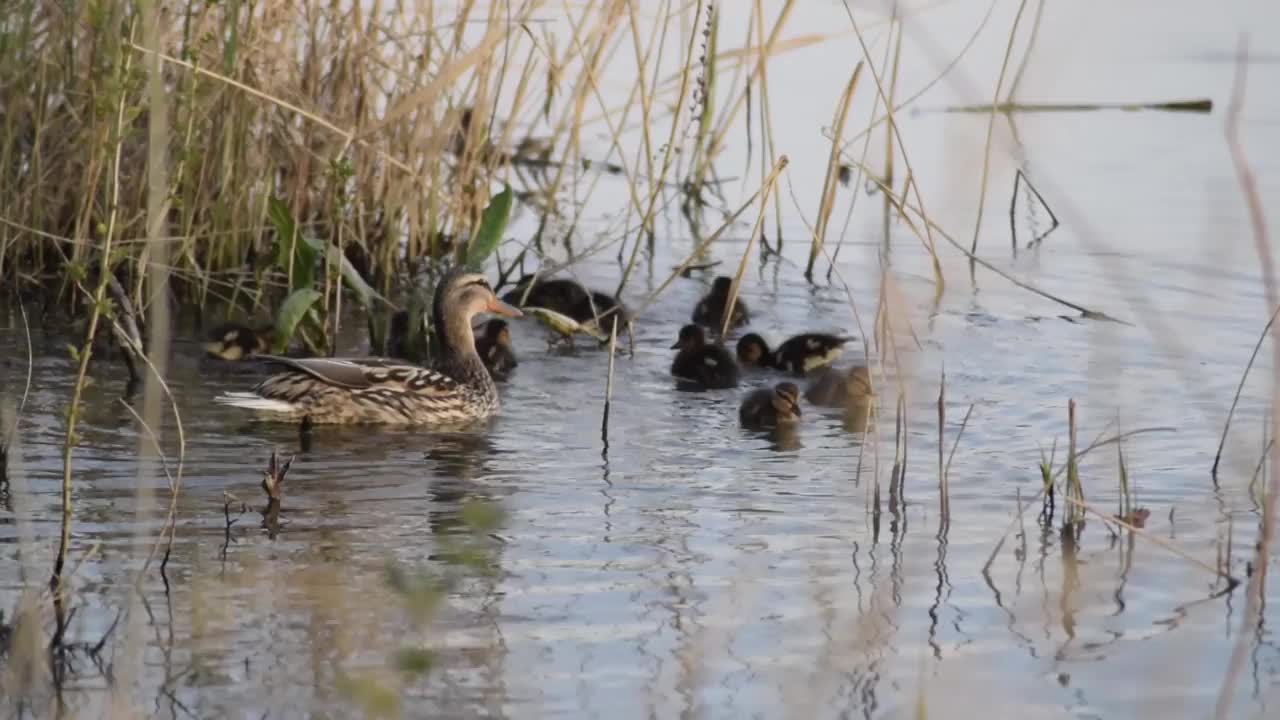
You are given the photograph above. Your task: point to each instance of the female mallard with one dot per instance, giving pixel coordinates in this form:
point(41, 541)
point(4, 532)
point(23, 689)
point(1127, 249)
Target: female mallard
point(571, 298)
point(771, 407)
point(233, 342)
point(797, 355)
point(457, 390)
point(709, 366)
point(494, 348)
point(710, 309)
point(841, 388)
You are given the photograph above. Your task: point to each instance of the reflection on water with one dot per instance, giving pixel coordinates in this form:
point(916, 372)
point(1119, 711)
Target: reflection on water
point(681, 566)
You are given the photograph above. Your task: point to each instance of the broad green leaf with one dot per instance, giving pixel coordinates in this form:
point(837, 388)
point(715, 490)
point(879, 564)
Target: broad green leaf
point(303, 272)
point(493, 223)
point(291, 313)
point(352, 277)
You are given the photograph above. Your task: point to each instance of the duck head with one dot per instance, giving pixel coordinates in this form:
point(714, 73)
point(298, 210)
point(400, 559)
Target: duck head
point(786, 401)
point(753, 351)
point(691, 337)
point(460, 296)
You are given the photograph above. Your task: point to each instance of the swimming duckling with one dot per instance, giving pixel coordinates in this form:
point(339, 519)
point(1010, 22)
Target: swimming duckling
point(840, 388)
point(710, 366)
point(494, 348)
point(570, 298)
point(769, 408)
point(797, 355)
point(710, 309)
point(234, 342)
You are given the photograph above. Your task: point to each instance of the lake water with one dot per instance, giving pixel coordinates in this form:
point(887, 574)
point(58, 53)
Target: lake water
point(689, 568)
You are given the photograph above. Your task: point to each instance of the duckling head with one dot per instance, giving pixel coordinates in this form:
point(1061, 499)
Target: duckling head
point(753, 351)
point(720, 286)
point(498, 332)
point(786, 401)
point(691, 337)
point(859, 382)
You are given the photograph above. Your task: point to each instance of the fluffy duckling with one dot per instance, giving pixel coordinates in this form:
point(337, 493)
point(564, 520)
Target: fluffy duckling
point(840, 388)
point(701, 363)
point(234, 342)
point(797, 355)
point(710, 309)
point(568, 297)
point(770, 408)
point(495, 349)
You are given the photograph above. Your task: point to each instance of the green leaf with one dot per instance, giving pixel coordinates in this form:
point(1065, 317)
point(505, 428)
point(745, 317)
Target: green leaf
point(303, 271)
point(481, 516)
point(352, 277)
point(413, 661)
point(493, 223)
point(291, 313)
point(374, 698)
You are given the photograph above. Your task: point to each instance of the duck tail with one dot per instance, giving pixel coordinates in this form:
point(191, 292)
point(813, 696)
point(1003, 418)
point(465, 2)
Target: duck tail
point(250, 401)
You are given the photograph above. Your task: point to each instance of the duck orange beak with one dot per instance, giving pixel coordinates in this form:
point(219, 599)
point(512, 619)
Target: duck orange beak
point(499, 307)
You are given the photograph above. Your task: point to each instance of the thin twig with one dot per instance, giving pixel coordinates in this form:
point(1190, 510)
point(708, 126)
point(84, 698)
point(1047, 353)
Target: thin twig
point(1217, 457)
point(608, 388)
point(727, 319)
point(991, 126)
point(1262, 243)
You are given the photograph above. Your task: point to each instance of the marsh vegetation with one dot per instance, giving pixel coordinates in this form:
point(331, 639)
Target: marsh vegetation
point(1054, 474)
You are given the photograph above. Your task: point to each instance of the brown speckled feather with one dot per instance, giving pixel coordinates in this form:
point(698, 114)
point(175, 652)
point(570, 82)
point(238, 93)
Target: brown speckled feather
point(374, 390)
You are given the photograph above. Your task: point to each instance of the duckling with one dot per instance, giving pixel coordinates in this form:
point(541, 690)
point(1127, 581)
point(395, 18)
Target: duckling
point(797, 355)
point(234, 342)
point(710, 309)
point(570, 298)
point(375, 390)
point(494, 348)
point(710, 366)
point(840, 388)
point(770, 408)
point(558, 294)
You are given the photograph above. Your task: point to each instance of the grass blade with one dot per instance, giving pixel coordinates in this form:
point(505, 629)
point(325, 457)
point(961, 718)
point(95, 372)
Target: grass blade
point(493, 223)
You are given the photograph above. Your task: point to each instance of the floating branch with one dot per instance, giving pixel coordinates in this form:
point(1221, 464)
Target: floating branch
point(1203, 105)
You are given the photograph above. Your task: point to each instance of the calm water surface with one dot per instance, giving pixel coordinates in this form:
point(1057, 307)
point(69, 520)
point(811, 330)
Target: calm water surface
point(686, 567)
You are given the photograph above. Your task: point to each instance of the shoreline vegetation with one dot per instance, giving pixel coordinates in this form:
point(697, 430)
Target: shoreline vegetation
point(247, 158)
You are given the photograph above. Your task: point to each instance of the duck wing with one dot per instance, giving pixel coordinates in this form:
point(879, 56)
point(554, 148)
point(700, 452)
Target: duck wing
point(363, 374)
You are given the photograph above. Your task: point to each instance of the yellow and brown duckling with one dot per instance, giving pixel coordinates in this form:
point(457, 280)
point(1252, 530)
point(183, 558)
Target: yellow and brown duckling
point(329, 390)
point(841, 388)
point(234, 342)
point(771, 407)
point(570, 298)
point(709, 311)
point(797, 355)
point(495, 348)
point(700, 363)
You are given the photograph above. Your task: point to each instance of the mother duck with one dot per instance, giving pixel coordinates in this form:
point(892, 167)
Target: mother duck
point(458, 389)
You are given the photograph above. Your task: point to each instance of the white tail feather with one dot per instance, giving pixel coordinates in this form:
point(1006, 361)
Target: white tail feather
point(251, 401)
